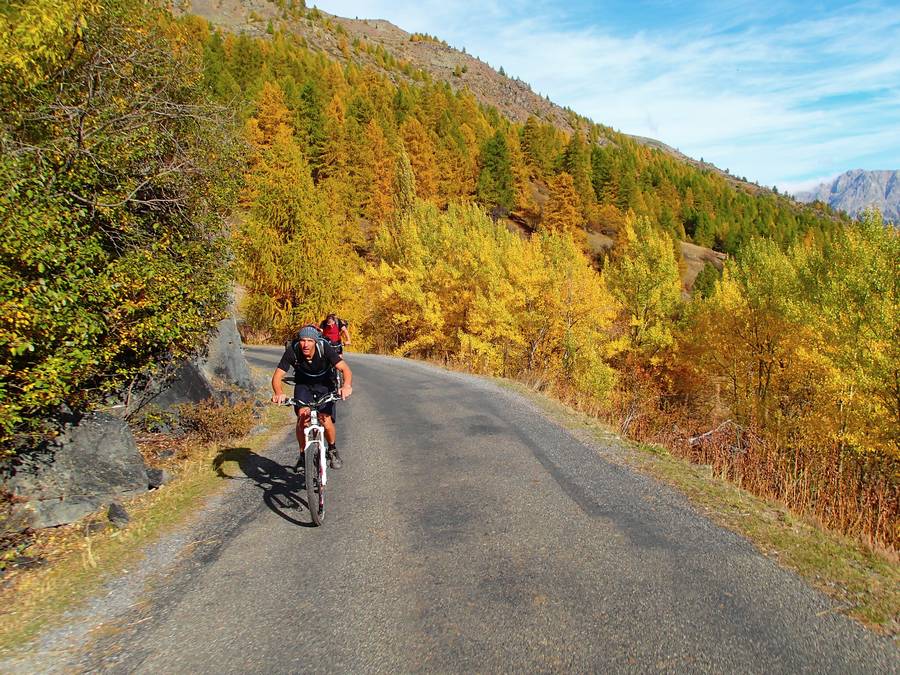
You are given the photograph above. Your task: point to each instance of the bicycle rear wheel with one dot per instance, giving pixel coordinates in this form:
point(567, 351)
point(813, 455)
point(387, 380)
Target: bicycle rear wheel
point(315, 492)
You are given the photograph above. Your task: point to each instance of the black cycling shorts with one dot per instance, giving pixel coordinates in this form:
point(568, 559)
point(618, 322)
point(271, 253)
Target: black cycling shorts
point(308, 392)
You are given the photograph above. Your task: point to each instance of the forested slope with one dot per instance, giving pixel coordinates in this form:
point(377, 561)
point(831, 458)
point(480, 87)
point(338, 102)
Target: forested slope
point(442, 229)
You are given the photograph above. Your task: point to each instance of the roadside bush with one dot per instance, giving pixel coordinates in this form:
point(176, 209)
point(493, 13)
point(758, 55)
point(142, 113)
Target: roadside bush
point(114, 184)
point(213, 422)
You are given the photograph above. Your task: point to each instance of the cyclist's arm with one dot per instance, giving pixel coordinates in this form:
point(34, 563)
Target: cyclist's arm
point(278, 395)
point(347, 387)
point(345, 333)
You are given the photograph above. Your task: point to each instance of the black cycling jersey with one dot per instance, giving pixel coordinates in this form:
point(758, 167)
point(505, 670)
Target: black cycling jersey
point(316, 370)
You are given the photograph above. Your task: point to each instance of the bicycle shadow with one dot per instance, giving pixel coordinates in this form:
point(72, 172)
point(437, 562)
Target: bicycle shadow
point(281, 485)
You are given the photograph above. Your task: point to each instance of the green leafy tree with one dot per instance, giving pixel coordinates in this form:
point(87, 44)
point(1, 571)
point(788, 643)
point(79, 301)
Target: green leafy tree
point(113, 187)
point(705, 283)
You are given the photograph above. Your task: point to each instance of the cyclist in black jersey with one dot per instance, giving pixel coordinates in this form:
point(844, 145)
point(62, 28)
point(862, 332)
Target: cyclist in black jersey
point(312, 360)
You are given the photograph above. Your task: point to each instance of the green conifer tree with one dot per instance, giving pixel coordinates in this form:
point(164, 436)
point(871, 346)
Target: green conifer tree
point(496, 185)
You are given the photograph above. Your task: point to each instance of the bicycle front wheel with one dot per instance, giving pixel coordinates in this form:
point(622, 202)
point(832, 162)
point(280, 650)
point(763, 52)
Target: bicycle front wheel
point(315, 491)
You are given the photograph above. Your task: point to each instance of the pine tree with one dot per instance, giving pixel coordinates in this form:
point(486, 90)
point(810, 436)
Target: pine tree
point(496, 186)
point(577, 163)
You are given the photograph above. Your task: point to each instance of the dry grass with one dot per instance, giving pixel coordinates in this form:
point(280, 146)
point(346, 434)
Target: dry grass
point(864, 579)
point(855, 494)
point(72, 562)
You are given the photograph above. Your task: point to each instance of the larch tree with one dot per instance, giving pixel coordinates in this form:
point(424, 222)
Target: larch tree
point(376, 177)
point(561, 212)
point(421, 154)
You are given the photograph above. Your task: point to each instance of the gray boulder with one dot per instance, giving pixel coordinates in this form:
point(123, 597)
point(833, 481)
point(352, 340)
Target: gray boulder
point(156, 478)
point(117, 515)
point(194, 380)
point(225, 355)
point(90, 464)
point(189, 384)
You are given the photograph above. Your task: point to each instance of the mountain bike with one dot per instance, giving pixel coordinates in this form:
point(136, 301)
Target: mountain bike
point(315, 469)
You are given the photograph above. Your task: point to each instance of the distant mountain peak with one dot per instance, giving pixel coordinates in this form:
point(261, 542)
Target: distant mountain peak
point(856, 190)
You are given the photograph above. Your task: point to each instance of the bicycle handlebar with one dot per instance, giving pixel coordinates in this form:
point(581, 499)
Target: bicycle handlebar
point(316, 404)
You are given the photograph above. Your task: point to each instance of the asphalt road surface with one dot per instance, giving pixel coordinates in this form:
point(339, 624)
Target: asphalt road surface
point(469, 533)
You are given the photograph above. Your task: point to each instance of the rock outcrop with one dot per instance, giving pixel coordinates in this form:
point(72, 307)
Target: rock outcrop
point(90, 464)
point(95, 461)
point(225, 356)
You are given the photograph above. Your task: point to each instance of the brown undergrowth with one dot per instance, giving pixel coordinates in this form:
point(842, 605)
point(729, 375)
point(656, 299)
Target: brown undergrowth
point(853, 493)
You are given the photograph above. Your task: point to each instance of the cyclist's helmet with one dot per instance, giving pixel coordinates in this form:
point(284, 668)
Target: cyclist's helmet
point(308, 333)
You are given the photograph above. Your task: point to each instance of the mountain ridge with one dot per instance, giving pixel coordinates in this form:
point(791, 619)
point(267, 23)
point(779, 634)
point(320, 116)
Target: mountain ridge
point(858, 189)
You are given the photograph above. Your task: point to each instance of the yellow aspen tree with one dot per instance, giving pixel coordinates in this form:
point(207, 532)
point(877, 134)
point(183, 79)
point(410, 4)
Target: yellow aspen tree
point(584, 315)
point(643, 277)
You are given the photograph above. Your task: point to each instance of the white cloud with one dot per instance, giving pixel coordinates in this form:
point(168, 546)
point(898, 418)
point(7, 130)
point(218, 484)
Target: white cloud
point(794, 188)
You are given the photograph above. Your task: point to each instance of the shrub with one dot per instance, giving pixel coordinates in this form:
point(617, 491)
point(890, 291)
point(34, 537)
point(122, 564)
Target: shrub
point(213, 422)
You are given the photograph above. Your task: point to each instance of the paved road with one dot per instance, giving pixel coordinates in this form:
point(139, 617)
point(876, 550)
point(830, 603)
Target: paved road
point(468, 533)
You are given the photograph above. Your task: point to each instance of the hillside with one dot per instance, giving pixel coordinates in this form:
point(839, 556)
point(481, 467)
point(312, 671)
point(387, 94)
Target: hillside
point(857, 190)
point(397, 51)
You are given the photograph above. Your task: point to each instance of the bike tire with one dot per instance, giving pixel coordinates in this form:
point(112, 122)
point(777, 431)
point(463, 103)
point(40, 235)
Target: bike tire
point(315, 493)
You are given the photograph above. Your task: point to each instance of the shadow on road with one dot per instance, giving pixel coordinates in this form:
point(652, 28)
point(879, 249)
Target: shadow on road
point(281, 485)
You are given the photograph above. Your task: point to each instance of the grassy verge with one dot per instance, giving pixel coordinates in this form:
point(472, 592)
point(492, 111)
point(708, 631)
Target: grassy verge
point(865, 582)
point(81, 556)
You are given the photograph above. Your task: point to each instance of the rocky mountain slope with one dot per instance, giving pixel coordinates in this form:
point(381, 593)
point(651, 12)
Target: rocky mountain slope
point(857, 190)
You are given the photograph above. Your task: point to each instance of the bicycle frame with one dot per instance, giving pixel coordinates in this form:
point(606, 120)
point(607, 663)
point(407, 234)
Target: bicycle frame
point(315, 433)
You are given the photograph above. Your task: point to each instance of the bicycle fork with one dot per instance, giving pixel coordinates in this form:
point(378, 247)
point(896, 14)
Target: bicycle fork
point(314, 433)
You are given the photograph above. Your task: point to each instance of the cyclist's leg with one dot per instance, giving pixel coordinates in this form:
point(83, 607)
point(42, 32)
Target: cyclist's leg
point(302, 421)
point(301, 393)
point(330, 430)
point(334, 457)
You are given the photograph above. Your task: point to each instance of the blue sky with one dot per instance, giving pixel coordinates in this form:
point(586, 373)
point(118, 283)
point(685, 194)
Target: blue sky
point(784, 93)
